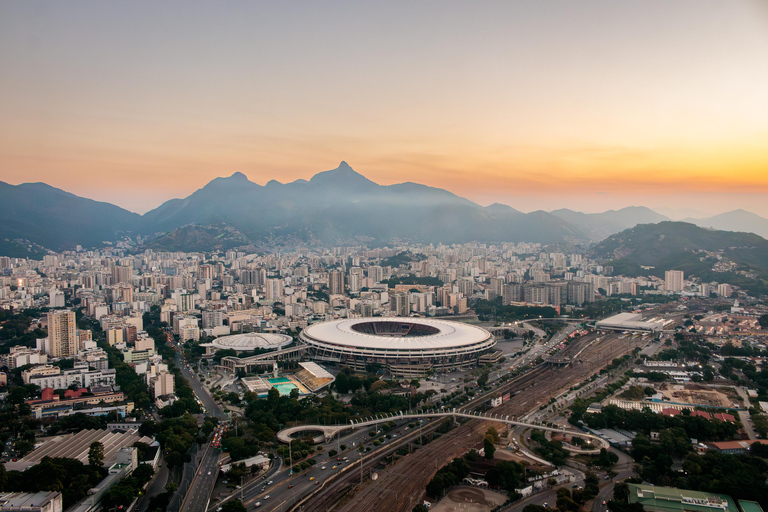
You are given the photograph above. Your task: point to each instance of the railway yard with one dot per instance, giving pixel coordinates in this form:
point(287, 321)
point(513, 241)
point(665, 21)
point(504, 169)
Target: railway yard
point(401, 485)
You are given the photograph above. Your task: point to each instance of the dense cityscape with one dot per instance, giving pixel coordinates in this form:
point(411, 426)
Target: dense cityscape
point(318, 377)
point(344, 256)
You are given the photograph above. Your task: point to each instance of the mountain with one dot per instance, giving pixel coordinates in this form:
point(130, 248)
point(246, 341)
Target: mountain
point(342, 205)
point(736, 220)
point(55, 219)
point(723, 256)
point(334, 207)
point(195, 238)
point(600, 225)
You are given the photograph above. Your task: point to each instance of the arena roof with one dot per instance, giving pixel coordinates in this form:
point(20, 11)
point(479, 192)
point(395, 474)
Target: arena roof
point(406, 333)
point(630, 322)
point(251, 340)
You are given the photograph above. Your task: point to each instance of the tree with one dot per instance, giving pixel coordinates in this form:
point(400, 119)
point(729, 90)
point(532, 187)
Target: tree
point(233, 506)
point(419, 508)
point(3, 477)
point(171, 487)
point(621, 492)
point(763, 321)
point(493, 433)
point(488, 446)
point(96, 454)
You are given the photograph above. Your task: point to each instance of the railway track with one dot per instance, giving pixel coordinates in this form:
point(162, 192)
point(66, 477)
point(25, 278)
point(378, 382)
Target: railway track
point(401, 486)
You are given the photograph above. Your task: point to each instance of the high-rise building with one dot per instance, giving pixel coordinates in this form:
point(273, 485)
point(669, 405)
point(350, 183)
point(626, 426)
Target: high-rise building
point(336, 282)
point(274, 290)
point(673, 280)
point(62, 337)
point(56, 298)
point(376, 273)
point(724, 290)
point(5, 262)
point(121, 274)
point(399, 303)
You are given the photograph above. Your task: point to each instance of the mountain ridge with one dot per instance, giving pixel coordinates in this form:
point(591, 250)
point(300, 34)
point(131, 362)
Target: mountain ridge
point(334, 206)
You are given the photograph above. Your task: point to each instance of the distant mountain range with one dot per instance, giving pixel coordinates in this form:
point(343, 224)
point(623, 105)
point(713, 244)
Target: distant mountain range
point(334, 207)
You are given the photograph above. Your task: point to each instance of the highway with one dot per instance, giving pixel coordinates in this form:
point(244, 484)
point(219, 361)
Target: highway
point(407, 479)
point(196, 499)
point(207, 400)
point(279, 496)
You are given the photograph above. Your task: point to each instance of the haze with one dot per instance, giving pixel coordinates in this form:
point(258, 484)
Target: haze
point(539, 105)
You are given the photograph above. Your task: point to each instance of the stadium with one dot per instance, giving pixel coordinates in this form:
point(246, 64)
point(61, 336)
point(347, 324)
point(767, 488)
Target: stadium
point(247, 342)
point(407, 347)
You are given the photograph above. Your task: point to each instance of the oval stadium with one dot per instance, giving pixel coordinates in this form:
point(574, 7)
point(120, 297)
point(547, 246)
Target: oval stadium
point(407, 347)
point(251, 340)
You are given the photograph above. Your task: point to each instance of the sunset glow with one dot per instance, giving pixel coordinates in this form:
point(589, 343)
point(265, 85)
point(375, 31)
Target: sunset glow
point(537, 105)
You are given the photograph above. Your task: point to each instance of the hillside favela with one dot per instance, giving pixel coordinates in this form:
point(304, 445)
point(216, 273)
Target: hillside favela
point(349, 257)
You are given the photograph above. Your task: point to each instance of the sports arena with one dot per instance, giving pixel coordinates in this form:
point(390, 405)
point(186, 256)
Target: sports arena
point(248, 341)
point(407, 347)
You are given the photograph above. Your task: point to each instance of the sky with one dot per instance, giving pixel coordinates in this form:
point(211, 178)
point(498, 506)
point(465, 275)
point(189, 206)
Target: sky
point(538, 104)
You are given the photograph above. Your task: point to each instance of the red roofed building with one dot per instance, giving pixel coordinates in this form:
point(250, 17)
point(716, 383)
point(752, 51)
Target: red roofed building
point(47, 394)
point(701, 414)
point(75, 393)
point(721, 416)
point(669, 411)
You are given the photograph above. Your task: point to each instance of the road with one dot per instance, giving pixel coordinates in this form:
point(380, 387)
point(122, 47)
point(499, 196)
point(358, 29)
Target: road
point(205, 397)
point(408, 478)
point(196, 499)
point(279, 496)
point(205, 474)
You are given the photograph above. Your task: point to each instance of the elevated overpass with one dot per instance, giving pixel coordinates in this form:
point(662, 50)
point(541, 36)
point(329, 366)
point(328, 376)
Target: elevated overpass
point(266, 360)
point(327, 432)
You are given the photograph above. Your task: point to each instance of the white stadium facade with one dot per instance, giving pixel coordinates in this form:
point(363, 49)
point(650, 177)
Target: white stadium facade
point(248, 341)
point(406, 347)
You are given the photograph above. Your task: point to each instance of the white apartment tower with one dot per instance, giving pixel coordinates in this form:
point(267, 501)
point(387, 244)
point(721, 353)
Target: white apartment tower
point(673, 280)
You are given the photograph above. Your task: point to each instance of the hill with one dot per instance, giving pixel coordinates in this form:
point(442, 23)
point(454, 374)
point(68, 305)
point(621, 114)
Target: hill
point(58, 220)
point(723, 256)
point(194, 238)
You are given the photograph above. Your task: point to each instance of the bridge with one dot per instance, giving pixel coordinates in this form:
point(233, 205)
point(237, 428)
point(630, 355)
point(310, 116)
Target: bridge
point(329, 431)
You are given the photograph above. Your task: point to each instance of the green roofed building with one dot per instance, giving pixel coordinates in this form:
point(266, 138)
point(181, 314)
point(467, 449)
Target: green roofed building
point(750, 506)
point(670, 499)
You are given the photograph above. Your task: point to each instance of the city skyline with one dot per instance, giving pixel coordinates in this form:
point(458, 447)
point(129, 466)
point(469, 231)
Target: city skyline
point(541, 106)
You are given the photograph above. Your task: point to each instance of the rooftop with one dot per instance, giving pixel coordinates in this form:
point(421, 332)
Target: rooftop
point(670, 499)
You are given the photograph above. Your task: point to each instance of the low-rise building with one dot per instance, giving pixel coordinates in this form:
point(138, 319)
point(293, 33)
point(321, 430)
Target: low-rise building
point(43, 501)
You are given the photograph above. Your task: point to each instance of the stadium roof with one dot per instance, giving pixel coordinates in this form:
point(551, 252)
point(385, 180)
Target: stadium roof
point(250, 341)
point(441, 334)
point(629, 322)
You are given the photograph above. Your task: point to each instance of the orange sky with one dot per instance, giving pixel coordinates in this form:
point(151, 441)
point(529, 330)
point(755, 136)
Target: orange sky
point(538, 105)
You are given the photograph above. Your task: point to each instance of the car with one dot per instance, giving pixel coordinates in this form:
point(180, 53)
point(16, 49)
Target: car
point(322, 468)
point(270, 482)
point(258, 504)
point(334, 467)
point(209, 473)
point(311, 478)
point(604, 502)
point(317, 483)
point(290, 485)
point(266, 497)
